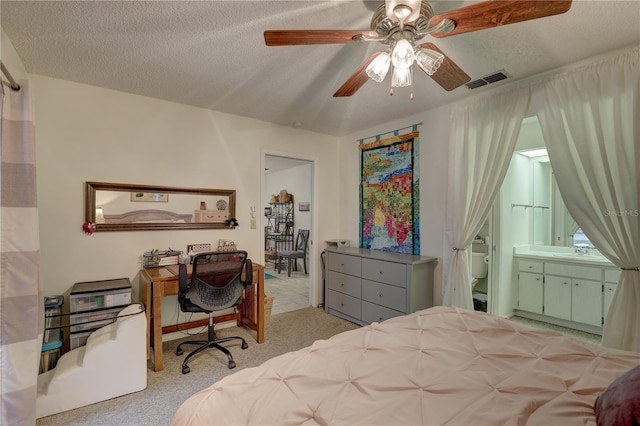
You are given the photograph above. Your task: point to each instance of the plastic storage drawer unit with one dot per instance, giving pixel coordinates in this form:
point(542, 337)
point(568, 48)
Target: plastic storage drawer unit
point(91, 295)
point(92, 320)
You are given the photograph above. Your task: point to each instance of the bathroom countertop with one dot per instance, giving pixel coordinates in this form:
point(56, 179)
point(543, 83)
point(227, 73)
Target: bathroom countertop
point(563, 257)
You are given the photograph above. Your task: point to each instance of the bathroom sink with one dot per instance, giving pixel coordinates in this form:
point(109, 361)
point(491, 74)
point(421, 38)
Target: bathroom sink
point(586, 257)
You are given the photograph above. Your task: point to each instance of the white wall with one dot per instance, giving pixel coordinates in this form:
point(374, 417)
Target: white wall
point(434, 159)
point(86, 133)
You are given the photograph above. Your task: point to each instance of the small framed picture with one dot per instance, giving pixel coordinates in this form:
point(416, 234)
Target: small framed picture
point(151, 197)
point(267, 211)
point(304, 206)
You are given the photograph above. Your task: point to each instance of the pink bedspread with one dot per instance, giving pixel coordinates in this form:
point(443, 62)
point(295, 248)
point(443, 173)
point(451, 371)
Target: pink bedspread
point(437, 366)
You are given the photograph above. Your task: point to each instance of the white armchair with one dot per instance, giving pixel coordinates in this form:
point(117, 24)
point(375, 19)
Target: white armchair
point(113, 363)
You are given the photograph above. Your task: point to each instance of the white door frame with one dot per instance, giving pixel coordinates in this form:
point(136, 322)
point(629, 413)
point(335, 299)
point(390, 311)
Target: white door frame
point(315, 287)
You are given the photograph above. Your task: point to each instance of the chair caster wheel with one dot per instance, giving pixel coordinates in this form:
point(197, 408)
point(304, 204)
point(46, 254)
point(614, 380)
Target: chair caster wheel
point(244, 345)
point(179, 351)
point(185, 369)
point(232, 364)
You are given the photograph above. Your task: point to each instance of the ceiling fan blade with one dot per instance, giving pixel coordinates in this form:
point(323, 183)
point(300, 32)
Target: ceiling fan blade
point(449, 75)
point(357, 79)
point(495, 13)
point(302, 37)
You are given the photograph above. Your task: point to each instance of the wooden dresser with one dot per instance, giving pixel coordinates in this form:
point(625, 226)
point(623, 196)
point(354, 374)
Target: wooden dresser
point(365, 286)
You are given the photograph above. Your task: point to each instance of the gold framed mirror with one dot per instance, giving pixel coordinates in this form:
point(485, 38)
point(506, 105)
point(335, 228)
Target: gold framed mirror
point(128, 207)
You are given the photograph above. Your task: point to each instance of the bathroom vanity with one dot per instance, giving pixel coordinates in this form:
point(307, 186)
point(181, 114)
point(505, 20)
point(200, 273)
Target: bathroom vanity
point(563, 288)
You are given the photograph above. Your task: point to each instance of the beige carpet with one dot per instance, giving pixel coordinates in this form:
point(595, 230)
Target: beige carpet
point(167, 389)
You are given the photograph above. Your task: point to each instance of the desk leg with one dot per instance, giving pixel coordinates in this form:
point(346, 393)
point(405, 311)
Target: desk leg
point(156, 332)
point(260, 310)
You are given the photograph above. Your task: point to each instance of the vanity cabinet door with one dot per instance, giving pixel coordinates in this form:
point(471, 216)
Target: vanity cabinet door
point(557, 297)
point(609, 289)
point(530, 292)
point(586, 301)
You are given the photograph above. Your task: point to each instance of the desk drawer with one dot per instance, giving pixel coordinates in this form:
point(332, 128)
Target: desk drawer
point(351, 265)
point(346, 304)
point(385, 295)
point(347, 284)
point(385, 272)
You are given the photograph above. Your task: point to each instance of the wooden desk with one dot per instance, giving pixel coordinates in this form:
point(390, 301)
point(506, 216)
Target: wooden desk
point(163, 281)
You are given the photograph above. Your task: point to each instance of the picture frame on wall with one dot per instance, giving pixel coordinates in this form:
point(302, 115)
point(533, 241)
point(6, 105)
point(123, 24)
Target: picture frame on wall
point(304, 206)
point(268, 211)
point(150, 197)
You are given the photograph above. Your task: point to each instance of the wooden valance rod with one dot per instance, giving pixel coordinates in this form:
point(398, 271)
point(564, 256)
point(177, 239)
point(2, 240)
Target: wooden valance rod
point(14, 85)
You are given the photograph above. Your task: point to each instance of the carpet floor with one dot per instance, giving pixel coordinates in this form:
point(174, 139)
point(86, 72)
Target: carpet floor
point(167, 389)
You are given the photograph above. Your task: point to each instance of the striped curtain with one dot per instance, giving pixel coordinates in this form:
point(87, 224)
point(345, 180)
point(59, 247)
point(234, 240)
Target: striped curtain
point(21, 297)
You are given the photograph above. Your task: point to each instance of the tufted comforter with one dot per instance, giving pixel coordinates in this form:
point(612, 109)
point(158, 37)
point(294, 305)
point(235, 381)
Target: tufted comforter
point(434, 367)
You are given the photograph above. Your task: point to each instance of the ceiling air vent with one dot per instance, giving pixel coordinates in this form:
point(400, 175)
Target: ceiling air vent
point(488, 79)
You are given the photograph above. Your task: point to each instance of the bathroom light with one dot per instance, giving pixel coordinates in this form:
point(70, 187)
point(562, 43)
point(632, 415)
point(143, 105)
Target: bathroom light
point(531, 153)
point(379, 67)
point(403, 54)
point(429, 60)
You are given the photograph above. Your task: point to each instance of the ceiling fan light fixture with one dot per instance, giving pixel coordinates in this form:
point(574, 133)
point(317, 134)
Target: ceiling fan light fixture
point(429, 60)
point(401, 77)
point(378, 68)
point(403, 54)
point(413, 7)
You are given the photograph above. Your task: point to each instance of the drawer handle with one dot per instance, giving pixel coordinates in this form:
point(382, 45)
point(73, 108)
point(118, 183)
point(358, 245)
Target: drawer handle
point(380, 319)
point(341, 284)
point(380, 295)
point(381, 273)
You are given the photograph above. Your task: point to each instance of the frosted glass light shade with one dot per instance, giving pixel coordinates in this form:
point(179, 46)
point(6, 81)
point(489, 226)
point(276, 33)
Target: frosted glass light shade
point(429, 60)
point(401, 77)
point(413, 4)
point(379, 67)
point(403, 54)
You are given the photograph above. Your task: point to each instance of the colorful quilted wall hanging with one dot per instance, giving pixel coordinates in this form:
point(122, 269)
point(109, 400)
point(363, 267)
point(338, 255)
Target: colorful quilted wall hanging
point(389, 189)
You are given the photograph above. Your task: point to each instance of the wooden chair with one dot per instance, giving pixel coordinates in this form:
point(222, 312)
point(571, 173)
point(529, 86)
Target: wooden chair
point(292, 256)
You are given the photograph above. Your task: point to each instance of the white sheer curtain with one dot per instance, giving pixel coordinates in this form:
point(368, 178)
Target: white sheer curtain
point(590, 119)
point(483, 135)
point(21, 298)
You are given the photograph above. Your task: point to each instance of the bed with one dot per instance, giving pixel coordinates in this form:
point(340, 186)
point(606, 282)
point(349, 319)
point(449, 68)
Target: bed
point(437, 366)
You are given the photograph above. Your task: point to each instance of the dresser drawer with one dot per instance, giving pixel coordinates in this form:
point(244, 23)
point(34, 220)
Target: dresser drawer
point(376, 313)
point(351, 265)
point(385, 272)
point(346, 304)
point(385, 295)
point(347, 284)
point(530, 266)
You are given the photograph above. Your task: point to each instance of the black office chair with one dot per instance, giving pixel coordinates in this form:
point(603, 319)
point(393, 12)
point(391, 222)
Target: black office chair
point(292, 256)
point(216, 284)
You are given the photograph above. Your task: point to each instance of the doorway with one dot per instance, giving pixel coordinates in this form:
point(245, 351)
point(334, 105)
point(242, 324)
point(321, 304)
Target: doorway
point(281, 223)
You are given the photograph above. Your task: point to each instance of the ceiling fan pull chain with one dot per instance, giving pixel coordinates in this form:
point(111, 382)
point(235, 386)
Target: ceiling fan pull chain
point(391, 92)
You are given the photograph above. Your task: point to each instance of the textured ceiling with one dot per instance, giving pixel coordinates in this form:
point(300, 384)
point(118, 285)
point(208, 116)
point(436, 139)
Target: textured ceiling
point(211, 54)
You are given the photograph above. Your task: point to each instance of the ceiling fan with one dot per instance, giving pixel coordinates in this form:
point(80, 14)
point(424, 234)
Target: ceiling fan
point(400, 24)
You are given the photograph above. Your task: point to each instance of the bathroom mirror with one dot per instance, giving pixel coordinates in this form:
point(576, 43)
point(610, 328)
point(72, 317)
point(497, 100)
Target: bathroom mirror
point(127, 207)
